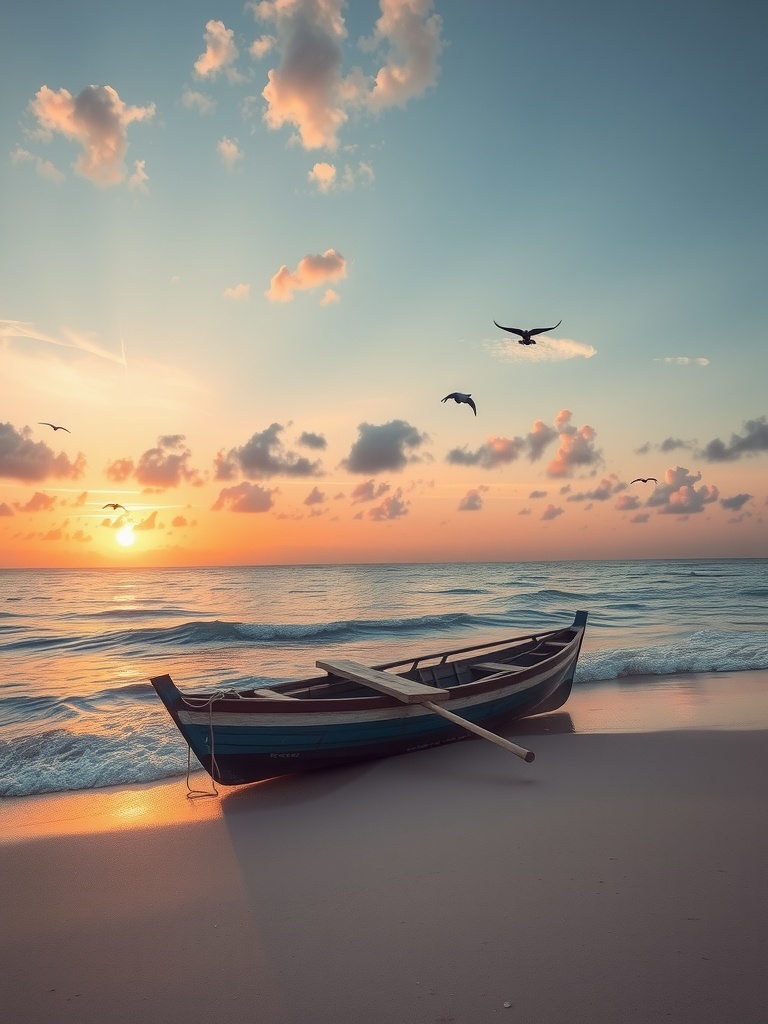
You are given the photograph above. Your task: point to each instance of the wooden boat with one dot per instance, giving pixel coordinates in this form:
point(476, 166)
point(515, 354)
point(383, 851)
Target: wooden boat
point(355, 712)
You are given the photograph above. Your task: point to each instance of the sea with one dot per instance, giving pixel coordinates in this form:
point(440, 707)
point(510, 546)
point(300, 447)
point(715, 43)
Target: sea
point(78, 647)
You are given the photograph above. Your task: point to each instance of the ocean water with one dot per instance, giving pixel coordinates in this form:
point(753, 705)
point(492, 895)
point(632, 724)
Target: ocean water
point(77, 648)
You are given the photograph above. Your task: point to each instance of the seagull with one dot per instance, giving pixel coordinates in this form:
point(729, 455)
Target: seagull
point(526, 337)
point(643, 480)
point(42, 423)
point(114, 506)
point(458, 397)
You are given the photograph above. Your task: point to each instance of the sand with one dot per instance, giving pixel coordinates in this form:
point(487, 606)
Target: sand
point(621, 877)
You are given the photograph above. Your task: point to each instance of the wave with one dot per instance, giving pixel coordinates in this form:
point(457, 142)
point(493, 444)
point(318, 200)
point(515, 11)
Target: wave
point(707, 650)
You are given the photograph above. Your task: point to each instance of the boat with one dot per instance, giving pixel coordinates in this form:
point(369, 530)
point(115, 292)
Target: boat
point(354, 712)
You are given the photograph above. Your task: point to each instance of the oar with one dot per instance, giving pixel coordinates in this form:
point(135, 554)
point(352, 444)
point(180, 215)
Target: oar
point(411, 692)
point(527, 755)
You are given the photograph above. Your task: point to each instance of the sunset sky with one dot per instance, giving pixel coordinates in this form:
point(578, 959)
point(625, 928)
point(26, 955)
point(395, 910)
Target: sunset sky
point(248, 248)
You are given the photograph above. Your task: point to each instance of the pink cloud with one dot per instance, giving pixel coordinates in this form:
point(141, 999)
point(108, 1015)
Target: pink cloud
point(98, 120)
point(245, 497)
point(220, 50)
point(313, 270)
point(21, 458)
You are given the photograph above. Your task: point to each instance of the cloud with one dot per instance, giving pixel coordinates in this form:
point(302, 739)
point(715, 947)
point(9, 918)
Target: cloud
point(39, 502)
point(310, 440)
point(262, 46)
point(753, 441)
point(384, 447)
point(313, 270)
point(193, 100)
point(43, 168)
point(315, 497)
point(735, 503)
point(179, 521)
point(605, 489)
point(496, 451)
point(150, 523)
point(71, 339)
point(330, 297)
point(641, 517)
point(245, 497)
point(308, 90)
point(546, 350)
point(627, 502)
point(220, 50)
point(670, 444)
point(682, 361)
point(6, 510)
point(325, 176)
point(576, 449)
point(412, 38)
point(537, 494)
point(368, 491)
point(551, 512)
point(137, 182)
point(392, 507)
point(98, 120)
point(472, 500)
point(678, 495)
point(264, 456)
point(21, 458)
point(229, 151)
point(241, 292)
point(159, 468)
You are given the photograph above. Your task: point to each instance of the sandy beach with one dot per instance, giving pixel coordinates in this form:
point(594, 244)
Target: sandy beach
point(621, 877)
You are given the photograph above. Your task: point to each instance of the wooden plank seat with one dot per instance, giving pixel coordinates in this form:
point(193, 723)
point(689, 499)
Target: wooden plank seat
point(498, 666)
point(406, 690)
point(273, 694)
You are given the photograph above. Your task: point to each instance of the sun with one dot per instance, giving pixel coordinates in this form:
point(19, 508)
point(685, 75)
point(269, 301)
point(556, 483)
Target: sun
point(125, 536)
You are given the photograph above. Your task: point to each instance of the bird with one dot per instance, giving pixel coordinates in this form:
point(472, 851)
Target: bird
point(458, 398)
point(114, 506)
point(643, 480)
point(42, 423)
point(526, 337)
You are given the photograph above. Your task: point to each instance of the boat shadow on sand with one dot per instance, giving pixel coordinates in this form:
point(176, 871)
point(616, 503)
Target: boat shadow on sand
point(307, 787)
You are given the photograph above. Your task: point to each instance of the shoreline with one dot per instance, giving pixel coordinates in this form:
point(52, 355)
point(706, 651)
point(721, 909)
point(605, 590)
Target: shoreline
point(619, 877)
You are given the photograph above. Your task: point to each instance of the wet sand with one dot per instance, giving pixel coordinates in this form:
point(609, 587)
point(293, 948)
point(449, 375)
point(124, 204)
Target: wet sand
point(620, 877)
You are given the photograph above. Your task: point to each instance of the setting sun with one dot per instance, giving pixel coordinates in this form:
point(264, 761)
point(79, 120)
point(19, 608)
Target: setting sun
point(125, 536)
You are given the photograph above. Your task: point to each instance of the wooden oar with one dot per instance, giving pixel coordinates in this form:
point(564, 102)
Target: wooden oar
point(527, 755)
point(411, 692)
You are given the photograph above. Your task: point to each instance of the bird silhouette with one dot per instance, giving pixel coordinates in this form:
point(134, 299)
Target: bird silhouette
point(114, 506)
point(643, 480)
point(526, 337)
point(42, 423)
point(460, 398)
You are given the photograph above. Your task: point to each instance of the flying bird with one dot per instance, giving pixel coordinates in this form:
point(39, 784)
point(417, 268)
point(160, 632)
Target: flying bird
point(42, 423)
point(643, 480)
point(458, 398)
point(526, 337)
point(114, 506)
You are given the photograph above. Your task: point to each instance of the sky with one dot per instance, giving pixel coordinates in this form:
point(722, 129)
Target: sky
point(248, 249)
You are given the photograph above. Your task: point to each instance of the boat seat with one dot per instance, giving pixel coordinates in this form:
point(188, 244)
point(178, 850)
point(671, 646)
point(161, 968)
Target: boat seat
point(498, 666)
point(273, 694)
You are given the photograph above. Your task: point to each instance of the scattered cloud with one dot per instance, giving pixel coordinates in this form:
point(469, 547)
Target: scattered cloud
point(735, 503)
point(546, 350)
point(220, 51)
point(496, 451)
point(315, 497)
point(39, 502)
point(325, 177)
point(264, 456)
point(388, 446)
point(551, 512)
point(607, 487)
point(472, 500)
point(310, 440)
point(330, 297)
point(43, 168)
point(193, 100)
point(159, 468)
point(98, 120)
point(308, 90)
point(368, 491)
point(21, 458)
point(627, 502)
point(753, 441)
point(229, 151)
point(137, 182)
point(392, 507)
point(240, 292)
point(311, 272)
point(670, 444)
point(682, 361)
point(577, 448)
point(245, 497)
point(678, 494)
